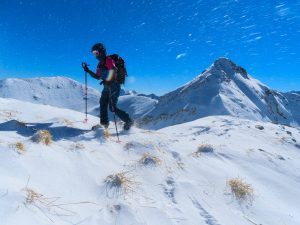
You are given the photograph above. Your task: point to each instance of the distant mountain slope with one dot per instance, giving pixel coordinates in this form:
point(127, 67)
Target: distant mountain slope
point(223, 89)
point(56, 91)
point(293, 99)
point(66, 93)
point(135, 105)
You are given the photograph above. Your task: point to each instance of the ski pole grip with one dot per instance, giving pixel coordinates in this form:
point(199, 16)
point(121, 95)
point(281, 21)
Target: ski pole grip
point(84, 64)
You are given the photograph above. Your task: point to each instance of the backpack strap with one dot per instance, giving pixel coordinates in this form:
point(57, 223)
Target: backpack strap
point(109, 63)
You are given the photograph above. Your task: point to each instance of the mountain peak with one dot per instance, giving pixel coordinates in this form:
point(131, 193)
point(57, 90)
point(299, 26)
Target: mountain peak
point(223, 62)
point(229, 67)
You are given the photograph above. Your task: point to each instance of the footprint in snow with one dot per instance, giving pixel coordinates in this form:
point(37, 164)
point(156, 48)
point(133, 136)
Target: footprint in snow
point(208, 218)
point(169, 189)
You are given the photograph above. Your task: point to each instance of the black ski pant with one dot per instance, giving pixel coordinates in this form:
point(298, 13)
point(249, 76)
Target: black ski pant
point(109, 98)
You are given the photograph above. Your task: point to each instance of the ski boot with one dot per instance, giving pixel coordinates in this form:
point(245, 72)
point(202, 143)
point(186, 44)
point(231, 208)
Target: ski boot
point(127, 125)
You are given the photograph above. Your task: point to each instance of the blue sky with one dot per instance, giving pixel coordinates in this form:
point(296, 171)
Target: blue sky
point(165, 43)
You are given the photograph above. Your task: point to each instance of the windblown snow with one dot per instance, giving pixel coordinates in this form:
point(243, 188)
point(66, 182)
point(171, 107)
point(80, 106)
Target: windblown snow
point(177, 175)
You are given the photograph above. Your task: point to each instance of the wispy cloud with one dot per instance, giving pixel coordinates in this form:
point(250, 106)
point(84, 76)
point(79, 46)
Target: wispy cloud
point(180, 55)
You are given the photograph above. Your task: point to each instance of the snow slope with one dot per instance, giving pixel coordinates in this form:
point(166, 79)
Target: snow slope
point(56, 91)
point(223, 89)
point(67, 93)
point(293, 99)
point(135, 105)
point(65, 180)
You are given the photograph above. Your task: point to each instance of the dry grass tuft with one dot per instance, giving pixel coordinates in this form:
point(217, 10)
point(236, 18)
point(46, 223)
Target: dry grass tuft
point(20, 147)
point(241, 190)
point(49, 206)
point(106, 133)
point(68, 122)
point(120, 184)
point(149, 160)
point(203, 148)
point(32, 196)
point(43, 136)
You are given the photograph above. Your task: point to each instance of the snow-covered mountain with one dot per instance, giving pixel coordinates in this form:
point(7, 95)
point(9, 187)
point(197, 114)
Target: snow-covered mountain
point(153, 96)
point(135, 105)
point(180, 175)
point(55, 91)
point(223, 89)
point(293, 99)
point(67, 93)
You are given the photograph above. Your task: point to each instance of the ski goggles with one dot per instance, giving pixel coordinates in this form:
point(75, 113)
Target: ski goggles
point(96, 53)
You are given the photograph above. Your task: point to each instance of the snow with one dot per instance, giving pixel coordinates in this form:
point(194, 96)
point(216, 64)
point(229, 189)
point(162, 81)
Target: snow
point(137, 106)
point(223, 89)
point(181, 189)
point(56, 91)
point(64, 92)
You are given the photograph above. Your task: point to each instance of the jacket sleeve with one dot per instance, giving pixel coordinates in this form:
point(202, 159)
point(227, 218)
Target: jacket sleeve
point(93, 75)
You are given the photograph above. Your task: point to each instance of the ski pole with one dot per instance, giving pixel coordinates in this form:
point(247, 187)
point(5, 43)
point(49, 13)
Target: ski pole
point(114, 112)
point(86, 119)
point(86, 88)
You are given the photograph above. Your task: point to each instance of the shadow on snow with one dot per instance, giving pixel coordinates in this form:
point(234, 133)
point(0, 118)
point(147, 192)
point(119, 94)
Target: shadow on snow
point(28, 129)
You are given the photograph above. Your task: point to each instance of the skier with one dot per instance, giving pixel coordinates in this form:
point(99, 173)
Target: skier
point(107, 72)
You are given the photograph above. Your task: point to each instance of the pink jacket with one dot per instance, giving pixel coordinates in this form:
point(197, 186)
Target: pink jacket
point(106, 70)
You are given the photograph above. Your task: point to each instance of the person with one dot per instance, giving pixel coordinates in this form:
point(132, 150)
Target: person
point(107, 72)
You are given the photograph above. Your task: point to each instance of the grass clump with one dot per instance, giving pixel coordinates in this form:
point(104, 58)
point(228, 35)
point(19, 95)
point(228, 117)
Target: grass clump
point(119, 184)
point(42, 136)
point(241, 190)
point(149, 160)
point(68, 122)
point(20, 147)
point(203, 148)
point(32, 197)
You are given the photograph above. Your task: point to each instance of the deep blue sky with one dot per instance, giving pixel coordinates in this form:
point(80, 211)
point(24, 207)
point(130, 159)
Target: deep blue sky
point(165, 43)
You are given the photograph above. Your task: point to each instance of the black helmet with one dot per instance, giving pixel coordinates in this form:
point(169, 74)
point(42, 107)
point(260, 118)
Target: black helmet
point(100, 48)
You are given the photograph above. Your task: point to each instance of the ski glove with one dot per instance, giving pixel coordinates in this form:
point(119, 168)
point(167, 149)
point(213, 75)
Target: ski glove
point(85, 67)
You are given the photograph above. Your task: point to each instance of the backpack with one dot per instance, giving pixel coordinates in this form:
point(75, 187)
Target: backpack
point(121, 68)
